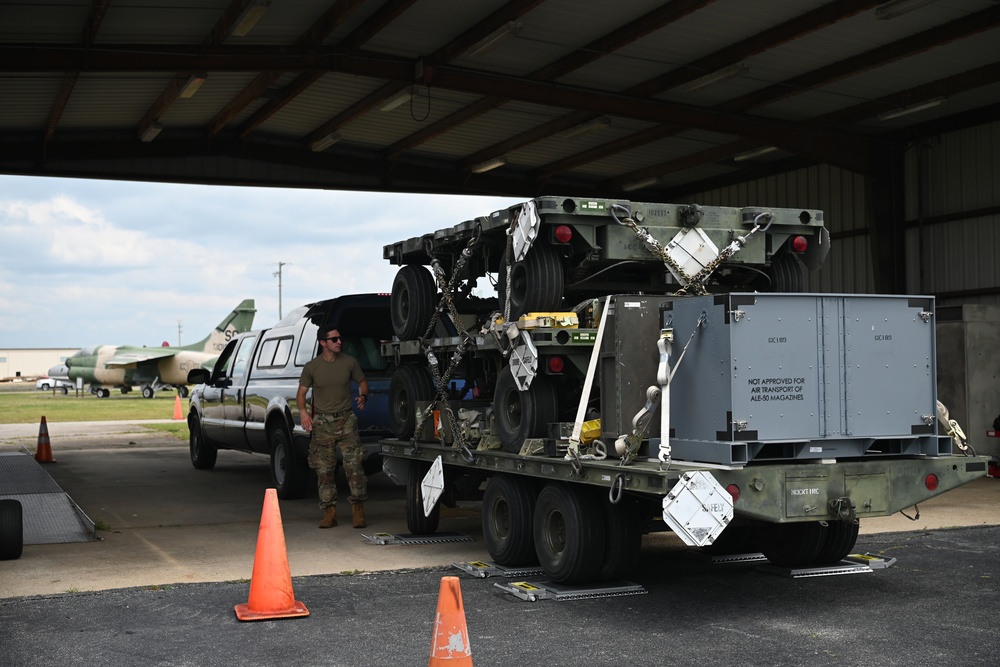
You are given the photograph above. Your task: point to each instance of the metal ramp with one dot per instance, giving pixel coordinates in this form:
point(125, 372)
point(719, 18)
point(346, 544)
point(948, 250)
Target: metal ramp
point(483, 570)
point(533, 591)
point(49, 515)
point(843, 567)
point(407, 538)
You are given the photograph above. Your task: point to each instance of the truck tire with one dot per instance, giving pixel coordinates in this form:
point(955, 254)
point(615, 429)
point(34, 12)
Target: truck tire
point(623, 527)
point(11, 529)
point(412, 303)
point(203, 454)
point(409, 384)
point(416, 522)
point(523, 414)
point(508, 509)
point(792, 544)
point(288, 475)
point(536, 282)
point(841, 536)
point(739, 537)
point(569, 533)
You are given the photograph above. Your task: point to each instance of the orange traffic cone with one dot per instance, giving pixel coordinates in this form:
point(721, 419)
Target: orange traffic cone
point(178, 411)
point(271, 594)
point(451, 638)
point(43, 453)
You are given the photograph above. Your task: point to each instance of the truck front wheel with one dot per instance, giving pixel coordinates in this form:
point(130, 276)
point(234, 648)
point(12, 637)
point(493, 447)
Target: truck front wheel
point(536, 282)
point(412, 303)
point(409, 384)
point(203, 454)
point(569, 533)
point(288, 474)
point(523, 414)
point(508, 508)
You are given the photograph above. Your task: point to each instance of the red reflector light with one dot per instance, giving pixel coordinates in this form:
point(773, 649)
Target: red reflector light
point(563, 234)
point(931, 482)
point(800, 243)
point(556, 364)
point(734, 491)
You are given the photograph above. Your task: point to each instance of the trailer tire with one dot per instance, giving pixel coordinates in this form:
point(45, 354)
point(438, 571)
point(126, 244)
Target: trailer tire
point(841, 536)
point(792, 544)
point(536, 282)
point(409, 384)
point(623, 528)
point(416, 522)
point(412, 303)
point(289, 476)
point(508, 510)
point(11, 529)
point(785, 273)
point(523, 414)
point(203, 454)
point(569, 533)
point(739, 537)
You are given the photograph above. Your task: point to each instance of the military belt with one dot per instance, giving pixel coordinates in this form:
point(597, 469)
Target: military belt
point(334, 415)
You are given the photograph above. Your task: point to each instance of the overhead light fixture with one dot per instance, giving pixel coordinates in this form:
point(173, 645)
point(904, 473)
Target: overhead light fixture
point(894, 8)
point(324, 142)
point(396, 100)
point(151, 132)
point(757, 152)
point(495, 38)
point(913, 108)
point(192, 85)
point(488, 165)
point(248, 19)
point(728, 72)
point(640, 185)
point(584, 128)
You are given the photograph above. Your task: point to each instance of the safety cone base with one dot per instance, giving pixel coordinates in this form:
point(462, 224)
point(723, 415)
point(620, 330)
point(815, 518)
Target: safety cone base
point(244, 613)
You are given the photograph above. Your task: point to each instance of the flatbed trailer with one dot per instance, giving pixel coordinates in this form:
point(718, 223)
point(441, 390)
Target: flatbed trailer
point(740, 420)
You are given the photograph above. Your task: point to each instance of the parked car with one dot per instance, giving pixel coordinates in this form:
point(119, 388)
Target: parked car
point(44, 384)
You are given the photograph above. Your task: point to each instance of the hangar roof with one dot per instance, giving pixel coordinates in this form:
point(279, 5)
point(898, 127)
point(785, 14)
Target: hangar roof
point(516, 98)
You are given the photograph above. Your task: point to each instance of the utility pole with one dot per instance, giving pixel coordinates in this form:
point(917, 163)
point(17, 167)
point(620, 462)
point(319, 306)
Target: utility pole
point(179, 330)
point(278, 274)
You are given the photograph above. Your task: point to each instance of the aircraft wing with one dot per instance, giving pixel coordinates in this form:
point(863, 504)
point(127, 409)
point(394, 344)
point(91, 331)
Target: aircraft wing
point(131, 357)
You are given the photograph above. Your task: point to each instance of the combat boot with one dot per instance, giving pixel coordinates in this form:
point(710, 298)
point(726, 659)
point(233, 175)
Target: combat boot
point(329, 518)
point(359, 515)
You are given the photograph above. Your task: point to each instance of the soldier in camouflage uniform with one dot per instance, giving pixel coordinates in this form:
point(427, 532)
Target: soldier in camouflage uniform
point(333, 424)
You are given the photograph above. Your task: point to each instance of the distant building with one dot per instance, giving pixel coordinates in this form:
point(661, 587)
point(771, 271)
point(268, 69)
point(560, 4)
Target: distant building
point(30, 362)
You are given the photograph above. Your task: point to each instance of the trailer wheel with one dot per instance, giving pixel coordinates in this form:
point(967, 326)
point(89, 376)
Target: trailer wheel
point(623, 527)
point(536, 282)
point(792, 544)
point(841, 536)
point(739, 537)
point(523, 414)
point(508, 508)
point(569, 533)
point(409, 384)
point(203, 454)
point(11, 529)
point(785, 272)
point(416, 522)
point(289, 475)
point(412, 303)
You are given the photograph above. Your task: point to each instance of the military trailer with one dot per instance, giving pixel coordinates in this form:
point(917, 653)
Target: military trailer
point(656, 366)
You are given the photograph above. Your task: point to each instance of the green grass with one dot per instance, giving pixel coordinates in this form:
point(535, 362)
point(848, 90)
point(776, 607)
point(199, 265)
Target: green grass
point(28, 407)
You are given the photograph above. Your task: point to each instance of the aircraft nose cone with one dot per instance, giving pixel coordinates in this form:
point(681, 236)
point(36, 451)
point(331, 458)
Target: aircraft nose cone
point(59, 371)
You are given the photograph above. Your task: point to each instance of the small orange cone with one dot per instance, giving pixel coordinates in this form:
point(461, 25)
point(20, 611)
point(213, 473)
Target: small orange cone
point(43, 453)
point(178, 411)
point(451, 638)
point(271, 594)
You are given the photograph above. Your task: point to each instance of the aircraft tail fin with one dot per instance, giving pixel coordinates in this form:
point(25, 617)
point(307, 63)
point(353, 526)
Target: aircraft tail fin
point(239, 320)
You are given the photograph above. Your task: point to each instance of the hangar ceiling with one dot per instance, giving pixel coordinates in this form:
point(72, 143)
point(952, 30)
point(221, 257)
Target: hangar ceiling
point(586, 97)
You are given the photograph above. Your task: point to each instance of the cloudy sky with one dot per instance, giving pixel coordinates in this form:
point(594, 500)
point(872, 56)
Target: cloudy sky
point(88, 262)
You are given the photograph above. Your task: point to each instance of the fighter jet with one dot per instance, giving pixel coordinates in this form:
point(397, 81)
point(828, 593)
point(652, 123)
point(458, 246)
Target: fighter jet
point(152, 368)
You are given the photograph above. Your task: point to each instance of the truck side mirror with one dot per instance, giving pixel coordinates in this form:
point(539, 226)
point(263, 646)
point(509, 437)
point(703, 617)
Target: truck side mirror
point(198, 376)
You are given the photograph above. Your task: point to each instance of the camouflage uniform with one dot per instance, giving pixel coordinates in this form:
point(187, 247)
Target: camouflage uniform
point(332, 430)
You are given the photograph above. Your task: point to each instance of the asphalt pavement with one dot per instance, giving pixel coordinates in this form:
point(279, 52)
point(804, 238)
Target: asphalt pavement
point(177, 545)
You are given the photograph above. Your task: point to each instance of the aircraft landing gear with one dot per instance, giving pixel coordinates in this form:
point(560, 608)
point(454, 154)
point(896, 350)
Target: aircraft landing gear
point(147, 392)
point(100, 392)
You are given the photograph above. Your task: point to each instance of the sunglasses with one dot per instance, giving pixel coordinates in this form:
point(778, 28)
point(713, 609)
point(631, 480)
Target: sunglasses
point(332, 339)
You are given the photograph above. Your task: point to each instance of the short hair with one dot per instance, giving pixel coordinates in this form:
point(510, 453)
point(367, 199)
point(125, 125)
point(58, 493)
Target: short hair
point(324, 330)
